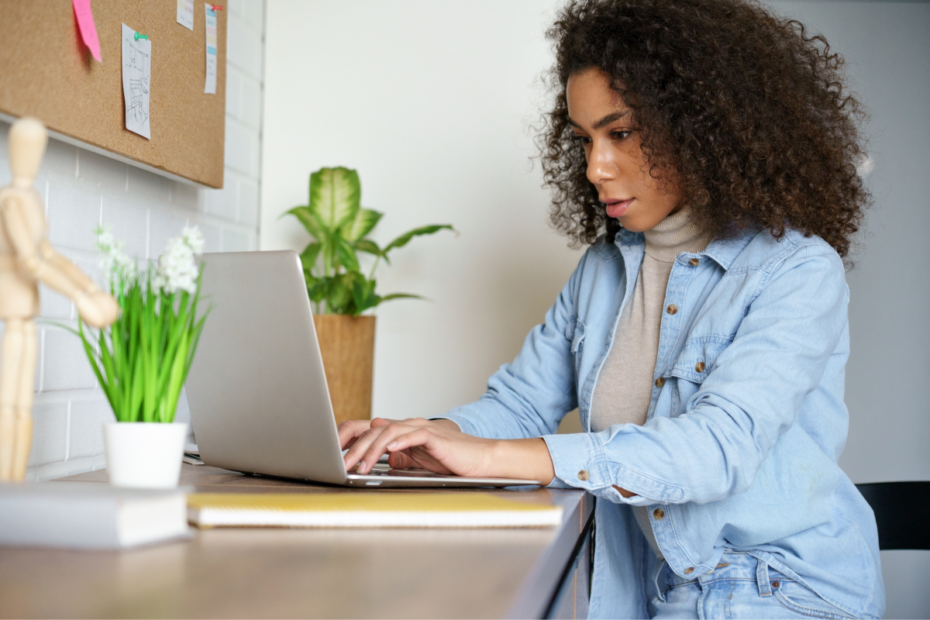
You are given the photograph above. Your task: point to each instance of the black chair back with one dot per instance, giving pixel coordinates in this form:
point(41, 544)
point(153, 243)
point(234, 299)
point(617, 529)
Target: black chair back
point(902, 510)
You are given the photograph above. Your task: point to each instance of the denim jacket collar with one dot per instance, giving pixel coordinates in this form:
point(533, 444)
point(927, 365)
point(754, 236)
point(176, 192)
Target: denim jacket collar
point(722, 251)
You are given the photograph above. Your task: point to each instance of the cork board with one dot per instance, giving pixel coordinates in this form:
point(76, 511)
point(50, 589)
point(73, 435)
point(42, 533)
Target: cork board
point(47, 72)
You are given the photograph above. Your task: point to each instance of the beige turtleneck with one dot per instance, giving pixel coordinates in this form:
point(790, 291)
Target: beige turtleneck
point(624, 385)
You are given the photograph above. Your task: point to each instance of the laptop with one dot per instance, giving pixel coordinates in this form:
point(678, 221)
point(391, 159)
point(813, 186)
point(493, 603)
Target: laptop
point(256, 389)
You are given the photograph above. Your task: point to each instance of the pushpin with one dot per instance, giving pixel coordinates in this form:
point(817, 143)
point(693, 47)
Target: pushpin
point(216, 7)
point(142, 36)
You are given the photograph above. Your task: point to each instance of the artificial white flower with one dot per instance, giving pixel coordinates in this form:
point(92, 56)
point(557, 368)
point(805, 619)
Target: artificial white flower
point(193, 238)
point(177, 269)
point(116, 265)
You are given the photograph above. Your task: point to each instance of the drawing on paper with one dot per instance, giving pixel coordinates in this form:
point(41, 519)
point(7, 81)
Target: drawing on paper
point(137, 75)
point(136, 66)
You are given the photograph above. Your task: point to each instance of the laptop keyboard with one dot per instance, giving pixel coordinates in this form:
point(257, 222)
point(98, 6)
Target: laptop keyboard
point(383, 469)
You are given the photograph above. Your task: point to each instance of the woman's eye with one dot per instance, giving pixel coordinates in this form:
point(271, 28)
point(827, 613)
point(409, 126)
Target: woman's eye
point(620, 134)
point(580, 139)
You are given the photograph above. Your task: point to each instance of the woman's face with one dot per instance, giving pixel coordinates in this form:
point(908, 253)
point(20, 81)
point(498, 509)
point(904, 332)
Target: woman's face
point(616, 164)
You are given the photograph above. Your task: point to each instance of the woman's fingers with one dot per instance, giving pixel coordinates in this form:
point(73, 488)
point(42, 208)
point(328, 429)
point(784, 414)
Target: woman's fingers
point(399, 460)
point(418, 437)
point(369, 444)
point(388, 434)
point(350, 430)
point(419, 440)
point(359, 447)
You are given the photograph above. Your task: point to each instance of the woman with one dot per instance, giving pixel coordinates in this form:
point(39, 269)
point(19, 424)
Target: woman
point(707, 153)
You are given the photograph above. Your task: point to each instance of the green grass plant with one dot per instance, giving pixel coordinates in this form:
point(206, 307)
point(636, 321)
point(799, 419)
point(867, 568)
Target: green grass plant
point(142, 360)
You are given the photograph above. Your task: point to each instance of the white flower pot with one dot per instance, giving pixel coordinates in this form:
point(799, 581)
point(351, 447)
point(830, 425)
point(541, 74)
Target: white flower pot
point(144, 454)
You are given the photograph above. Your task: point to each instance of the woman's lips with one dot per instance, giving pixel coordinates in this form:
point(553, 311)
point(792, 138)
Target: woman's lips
point(617, 208)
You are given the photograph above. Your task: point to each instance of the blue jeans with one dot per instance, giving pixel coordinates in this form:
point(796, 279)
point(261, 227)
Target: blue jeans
point(740, 587)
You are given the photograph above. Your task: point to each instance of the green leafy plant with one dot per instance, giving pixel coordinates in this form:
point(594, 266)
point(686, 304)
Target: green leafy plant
point(142, 360)
point(339, 226)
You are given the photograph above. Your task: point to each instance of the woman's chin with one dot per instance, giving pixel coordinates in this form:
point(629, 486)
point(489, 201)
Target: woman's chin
point(634, 224)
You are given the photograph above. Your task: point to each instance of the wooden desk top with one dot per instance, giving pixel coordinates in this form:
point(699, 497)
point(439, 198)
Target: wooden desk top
point(292, 573)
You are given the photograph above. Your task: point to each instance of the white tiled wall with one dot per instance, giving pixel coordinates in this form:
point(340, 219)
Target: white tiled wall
point(83, 189)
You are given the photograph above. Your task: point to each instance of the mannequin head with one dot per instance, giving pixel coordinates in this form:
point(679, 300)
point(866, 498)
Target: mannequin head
point(28, 139)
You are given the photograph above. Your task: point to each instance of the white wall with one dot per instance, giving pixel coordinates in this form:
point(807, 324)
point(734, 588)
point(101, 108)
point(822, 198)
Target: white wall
point(431, 102)
point(82, 190)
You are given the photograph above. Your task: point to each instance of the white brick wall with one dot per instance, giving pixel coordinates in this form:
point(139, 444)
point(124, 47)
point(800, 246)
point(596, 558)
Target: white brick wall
point(83, 189)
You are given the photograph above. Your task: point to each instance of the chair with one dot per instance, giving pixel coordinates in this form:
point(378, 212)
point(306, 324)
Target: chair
point(902, 511)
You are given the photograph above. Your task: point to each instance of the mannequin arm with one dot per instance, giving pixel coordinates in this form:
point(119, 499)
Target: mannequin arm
point(42, 263)
point(66, 267)
point(28, 258)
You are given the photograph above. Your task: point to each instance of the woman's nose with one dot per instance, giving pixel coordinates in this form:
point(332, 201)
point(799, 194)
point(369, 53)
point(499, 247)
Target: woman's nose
point(601, 166)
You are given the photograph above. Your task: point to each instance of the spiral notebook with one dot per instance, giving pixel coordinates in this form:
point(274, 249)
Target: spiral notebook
point(367, 510)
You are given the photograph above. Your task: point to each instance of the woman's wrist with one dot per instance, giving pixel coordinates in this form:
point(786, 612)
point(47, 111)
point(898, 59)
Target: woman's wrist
point(526, 459)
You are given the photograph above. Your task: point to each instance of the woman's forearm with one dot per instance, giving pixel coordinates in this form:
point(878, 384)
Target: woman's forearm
point(527, 459)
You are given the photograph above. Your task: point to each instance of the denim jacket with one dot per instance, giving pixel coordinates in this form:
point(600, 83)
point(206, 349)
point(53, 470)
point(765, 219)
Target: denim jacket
point(743, 432)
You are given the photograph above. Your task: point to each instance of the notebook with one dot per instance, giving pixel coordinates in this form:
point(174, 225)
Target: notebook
point(256, 389)
point(366, 510)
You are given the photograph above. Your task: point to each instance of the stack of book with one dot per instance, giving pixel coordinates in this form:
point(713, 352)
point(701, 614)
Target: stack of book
point(89, 515)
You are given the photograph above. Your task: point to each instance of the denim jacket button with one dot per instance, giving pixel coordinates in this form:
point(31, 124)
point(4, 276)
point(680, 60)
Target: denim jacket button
point(689, 570)
point(694, 262)
point(660, 381)
point(672, 309)
point(699, 367)
point(582, 475)
point(658, 513)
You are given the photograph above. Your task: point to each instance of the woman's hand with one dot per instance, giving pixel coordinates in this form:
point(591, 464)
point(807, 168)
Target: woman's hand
point(439, 446)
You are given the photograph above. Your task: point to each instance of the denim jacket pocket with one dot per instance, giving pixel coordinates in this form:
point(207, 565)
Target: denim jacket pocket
point(696, 361)
point(575, 331)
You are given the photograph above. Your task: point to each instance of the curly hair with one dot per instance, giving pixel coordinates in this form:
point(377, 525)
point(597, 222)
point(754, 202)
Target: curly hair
point(749, 113)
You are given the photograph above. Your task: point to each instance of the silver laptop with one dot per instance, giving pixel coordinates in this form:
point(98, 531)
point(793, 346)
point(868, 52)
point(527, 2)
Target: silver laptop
point(257, 392)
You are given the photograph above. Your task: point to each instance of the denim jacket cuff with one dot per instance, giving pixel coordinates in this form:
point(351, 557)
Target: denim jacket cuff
point(443, 417)
point(578, 459)
point(581, 462)
point(464, 424)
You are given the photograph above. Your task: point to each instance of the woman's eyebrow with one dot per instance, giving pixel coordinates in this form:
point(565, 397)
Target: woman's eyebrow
point(607, 120)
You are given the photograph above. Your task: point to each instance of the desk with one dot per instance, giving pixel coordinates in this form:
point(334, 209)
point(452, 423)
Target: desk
point(284, 573)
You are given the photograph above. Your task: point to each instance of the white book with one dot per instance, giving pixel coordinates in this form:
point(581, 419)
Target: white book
point(89, 515)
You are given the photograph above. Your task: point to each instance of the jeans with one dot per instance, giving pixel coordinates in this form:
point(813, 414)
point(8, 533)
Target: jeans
point(740, 587)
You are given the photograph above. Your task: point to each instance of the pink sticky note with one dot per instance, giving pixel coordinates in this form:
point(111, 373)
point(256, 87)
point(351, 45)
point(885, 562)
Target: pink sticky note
point(85, 20)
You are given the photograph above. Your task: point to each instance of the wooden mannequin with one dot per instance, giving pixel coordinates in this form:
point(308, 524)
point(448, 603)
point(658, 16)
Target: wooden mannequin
point(27, 258)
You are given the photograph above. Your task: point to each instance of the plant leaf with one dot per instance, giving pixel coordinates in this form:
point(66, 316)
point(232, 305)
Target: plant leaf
point(405, 238)
point(310, 220)
point(345, 254)
point(368, 246)
point(309, 255)
point(363, 292)
point(339, 298)
point(365, 220)
point(335, 195)
point(317, 290)
point(401, 296)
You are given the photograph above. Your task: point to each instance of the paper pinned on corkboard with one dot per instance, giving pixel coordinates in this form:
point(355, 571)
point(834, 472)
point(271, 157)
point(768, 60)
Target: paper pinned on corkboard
point(209, 87)
point(186, 13)
point(137, 81)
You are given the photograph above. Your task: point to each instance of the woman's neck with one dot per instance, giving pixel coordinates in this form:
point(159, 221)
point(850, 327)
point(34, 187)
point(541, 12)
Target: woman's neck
point(675, 234)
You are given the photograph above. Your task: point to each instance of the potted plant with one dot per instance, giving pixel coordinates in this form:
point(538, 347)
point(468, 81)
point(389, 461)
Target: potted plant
point(339, 290)
point(142, 360)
